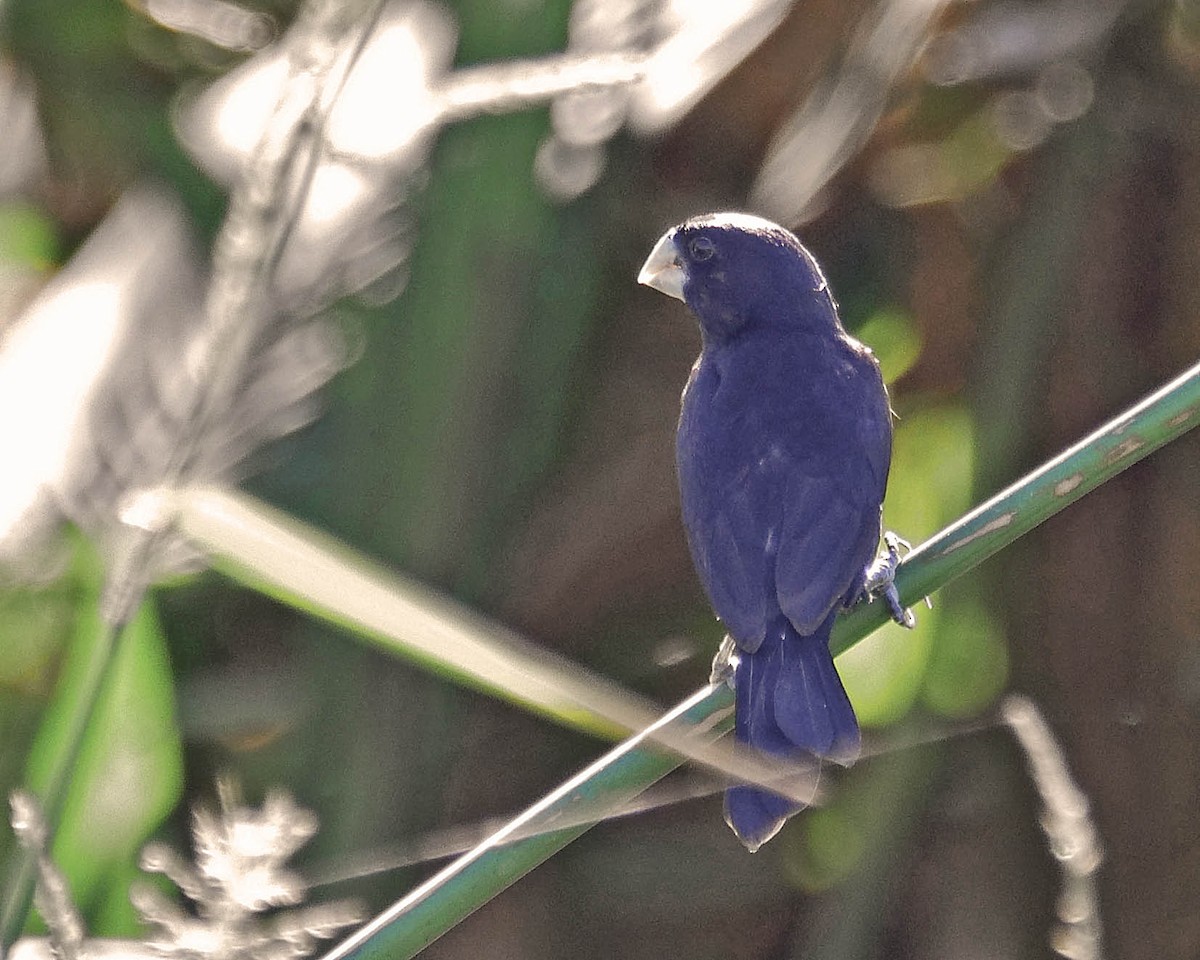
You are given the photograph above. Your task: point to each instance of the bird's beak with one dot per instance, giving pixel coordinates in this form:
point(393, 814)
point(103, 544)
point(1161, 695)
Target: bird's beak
point(662, 269)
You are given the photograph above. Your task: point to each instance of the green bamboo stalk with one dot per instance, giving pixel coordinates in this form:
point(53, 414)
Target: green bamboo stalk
point(471, 880)
point(437, 905)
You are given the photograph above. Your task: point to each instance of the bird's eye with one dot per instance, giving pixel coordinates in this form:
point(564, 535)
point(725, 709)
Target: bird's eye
point(701, 248)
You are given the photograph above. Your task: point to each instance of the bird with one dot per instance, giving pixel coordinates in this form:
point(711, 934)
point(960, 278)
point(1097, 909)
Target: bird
point(783, 449)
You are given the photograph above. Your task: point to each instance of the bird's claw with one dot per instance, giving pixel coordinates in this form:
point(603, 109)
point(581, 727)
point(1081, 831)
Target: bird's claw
point(879, 579)
point(725, 662)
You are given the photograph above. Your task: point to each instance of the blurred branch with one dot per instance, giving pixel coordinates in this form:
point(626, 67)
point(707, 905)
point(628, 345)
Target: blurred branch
point(503, 87)
point(262, 214)
point(418, 919)
point(451, 841)
point(1018, 37)
point(218, 22)
point(839, 116)
point(1068, 825)
point(53, 896)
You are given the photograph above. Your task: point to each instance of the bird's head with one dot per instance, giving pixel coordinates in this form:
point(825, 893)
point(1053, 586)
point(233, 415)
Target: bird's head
point(739, 272)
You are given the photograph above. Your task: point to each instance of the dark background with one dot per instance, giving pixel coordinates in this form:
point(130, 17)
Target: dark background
point(507, 436)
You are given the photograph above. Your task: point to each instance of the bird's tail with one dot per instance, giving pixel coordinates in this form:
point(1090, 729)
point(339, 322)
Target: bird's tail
point(790, 702)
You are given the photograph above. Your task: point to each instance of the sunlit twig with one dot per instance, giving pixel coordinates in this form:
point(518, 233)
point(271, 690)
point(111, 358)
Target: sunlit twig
point(262, 213)
point(53, 896)
point(218, 22)
point(504, 87)
point(840, 115)
point(1068, 824)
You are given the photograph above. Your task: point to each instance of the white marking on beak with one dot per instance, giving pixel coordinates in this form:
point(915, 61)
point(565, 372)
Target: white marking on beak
point(662, 269)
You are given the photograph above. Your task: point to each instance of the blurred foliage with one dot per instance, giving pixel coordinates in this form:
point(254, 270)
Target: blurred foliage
point(507, 433)
point(127, 774)
point(885, 673)
point(28, 236)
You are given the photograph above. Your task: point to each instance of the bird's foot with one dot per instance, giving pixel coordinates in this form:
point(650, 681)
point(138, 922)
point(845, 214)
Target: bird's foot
point(879, 579)
point(725, 662)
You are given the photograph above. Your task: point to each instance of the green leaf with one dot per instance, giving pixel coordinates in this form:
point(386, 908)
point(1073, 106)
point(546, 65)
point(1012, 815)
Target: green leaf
point(27, 236)
point(835, 841)
point(969, 663)
point(930, 485)
point(894, 339)
point(300, 565)
point(128, 772)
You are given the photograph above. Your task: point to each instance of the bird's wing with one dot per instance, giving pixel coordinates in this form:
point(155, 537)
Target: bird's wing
point(813, 527)
point(726, 537)
point(825, 541)
point(831, 515)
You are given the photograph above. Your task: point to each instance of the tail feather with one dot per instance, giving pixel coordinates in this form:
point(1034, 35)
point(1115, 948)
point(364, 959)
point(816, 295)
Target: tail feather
point(811, 706)
point(790, 702)
point(756, 815)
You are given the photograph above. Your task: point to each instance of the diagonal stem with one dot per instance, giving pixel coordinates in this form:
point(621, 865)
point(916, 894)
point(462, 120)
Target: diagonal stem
point(298, 564)
point(415, 921)
point(1166, 414)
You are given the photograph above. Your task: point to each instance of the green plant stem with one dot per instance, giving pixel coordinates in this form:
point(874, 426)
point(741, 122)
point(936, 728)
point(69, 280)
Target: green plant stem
point(482, 872)
point(19, 887)
point(1166, 414)
point(418, 919)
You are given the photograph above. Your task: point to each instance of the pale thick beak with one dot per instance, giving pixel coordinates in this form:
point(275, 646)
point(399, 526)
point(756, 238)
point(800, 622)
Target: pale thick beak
point(662, 269)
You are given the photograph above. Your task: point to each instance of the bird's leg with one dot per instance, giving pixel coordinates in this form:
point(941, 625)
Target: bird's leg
point(879, 579)
point(725, 662)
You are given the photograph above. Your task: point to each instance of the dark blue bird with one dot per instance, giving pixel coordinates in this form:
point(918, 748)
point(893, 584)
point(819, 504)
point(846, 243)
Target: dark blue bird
point(784, 442)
